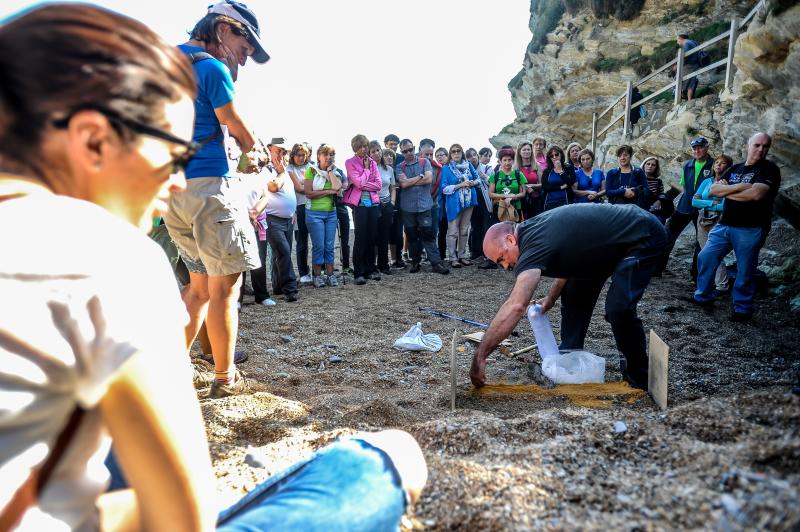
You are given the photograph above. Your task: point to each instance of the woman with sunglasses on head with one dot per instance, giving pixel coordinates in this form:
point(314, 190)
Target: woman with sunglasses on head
point(94, 132)
point(322, 184)
point(557, 180)
point(459, 180)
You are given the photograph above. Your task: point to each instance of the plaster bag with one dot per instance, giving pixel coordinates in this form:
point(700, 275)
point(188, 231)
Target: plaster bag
point(415, 340)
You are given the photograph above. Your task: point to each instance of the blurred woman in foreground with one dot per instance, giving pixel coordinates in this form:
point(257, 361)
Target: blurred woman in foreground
point(93, 133)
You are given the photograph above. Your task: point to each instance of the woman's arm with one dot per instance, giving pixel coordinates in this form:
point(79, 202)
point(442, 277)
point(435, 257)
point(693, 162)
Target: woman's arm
point(613, 189)
point(159, 438)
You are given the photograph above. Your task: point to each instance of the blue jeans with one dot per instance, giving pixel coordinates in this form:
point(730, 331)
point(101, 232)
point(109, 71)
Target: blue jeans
point(322, 228)
point(745, 242)
point(348, 485)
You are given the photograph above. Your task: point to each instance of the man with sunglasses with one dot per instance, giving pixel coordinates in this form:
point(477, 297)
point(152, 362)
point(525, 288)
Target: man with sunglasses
point(209, 221)
point(415, 177)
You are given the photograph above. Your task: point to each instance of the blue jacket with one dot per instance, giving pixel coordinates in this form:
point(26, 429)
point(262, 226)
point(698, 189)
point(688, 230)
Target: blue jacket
point(451, 201)
point(688, 181)
point(706, 200)
point(615, 187)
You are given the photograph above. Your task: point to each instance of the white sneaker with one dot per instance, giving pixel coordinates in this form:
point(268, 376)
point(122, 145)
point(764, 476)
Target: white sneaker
point(269, 302)
point(306, 279)
point(332, 281)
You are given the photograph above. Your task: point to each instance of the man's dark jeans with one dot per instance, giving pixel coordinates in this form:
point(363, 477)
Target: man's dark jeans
point(258, 277)
point(384, 233)
point(481, 220)
point(419, 230)
point(343, 216)
point(301, 241)
point(628, 283)
point(366, 222)
point(279, 232)
point(675, 226)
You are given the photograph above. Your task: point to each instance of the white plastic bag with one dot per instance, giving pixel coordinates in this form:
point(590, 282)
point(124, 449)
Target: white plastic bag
point(573, 367)
point(414, 340)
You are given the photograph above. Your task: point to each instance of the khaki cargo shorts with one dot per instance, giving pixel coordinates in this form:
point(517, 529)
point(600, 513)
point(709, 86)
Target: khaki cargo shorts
point(211, 228)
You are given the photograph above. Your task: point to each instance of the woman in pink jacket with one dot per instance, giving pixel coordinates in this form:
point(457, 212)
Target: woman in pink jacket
point(362, 196)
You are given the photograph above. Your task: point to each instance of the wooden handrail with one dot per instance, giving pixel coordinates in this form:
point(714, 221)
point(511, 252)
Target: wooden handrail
point(727, 61)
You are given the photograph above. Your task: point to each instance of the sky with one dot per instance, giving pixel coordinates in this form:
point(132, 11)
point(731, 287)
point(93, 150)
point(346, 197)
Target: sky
point(416, 68)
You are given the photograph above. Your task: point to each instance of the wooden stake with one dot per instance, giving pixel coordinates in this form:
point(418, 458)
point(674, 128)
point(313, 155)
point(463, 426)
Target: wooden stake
point(523, 350)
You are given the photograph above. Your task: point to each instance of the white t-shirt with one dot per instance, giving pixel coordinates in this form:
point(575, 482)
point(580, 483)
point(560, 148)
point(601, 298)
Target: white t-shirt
point(60, 253)
point(298, 172)
point(282, 203)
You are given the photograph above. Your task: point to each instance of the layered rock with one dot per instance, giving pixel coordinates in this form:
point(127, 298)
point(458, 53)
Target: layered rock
point(560, 86)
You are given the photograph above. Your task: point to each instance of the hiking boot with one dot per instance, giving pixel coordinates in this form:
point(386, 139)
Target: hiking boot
point(707, 306)
point(399, 264)
point(440, 268)
point(386, 271)
point(202, 374)
point(488, 265)
point(220, 389)
point(415, 268)
point(374, 276)
point(348, 269)
point(332, 280)
point(291, 298)
point(360, 280)
point(319, 281)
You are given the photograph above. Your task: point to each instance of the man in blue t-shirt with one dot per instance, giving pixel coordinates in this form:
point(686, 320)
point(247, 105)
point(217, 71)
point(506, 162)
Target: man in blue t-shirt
point(209, 220)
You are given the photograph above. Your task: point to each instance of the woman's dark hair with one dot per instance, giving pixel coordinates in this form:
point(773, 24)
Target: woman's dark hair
point(586, 151)
point(63, 58)
point(374, 144)
point(485, 151)
point(384, 153)
point(470, 152)
point(725, 158)
point(625, 149)
point(298, 149)
point(559, 151)
point(457, 146)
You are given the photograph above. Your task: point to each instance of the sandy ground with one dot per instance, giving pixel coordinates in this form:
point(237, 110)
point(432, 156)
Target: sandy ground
point(725, 455)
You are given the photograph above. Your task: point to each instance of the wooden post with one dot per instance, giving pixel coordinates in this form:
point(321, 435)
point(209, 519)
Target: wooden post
point(453, 372)
point(679, 77)
point(658, 370)
point(594, 132)
point(731, 49)
point(626, 120)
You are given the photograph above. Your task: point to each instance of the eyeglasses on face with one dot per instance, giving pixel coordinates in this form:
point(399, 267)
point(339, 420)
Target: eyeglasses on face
point(410, 149)
point(178, 162)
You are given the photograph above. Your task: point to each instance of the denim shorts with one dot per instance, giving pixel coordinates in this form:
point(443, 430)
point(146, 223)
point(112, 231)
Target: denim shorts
point(349, 485)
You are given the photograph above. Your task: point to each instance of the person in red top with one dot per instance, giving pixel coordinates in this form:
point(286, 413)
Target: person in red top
point(531, 205)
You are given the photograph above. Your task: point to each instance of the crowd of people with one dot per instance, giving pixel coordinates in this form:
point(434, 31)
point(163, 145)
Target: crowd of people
point(96, 133)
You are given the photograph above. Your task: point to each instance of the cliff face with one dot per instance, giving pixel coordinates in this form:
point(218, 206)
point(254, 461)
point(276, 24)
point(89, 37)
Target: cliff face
point(583, 63)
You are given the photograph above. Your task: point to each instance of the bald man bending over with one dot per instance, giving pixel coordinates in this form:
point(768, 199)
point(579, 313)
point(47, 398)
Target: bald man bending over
point(580, 246)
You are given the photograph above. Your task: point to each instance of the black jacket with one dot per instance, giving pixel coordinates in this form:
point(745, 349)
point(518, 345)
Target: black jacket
point(685, 203)
point(568, 178)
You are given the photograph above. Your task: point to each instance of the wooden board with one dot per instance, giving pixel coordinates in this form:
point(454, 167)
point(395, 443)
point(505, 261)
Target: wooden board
point(478, 336)
point(453, 368)
point(658, 374)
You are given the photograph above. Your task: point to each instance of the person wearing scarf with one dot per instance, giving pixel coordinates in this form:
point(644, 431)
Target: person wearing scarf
point(459, 180)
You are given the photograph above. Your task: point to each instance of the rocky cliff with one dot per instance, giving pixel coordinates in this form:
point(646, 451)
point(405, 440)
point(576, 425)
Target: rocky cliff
point(583, 53)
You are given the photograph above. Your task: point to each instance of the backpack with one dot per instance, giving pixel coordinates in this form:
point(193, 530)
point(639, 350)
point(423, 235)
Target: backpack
point(703, 59)
point(195, 57)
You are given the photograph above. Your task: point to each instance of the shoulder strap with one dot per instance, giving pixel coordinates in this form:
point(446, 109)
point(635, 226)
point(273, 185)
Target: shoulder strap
point(196, 57)
point(28, 493)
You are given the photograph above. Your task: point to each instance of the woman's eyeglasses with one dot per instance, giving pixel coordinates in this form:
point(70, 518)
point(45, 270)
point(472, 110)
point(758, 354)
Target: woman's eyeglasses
point(178, 162)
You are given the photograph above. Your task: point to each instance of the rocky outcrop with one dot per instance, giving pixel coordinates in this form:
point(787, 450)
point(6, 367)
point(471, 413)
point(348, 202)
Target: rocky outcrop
point(586, 60)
